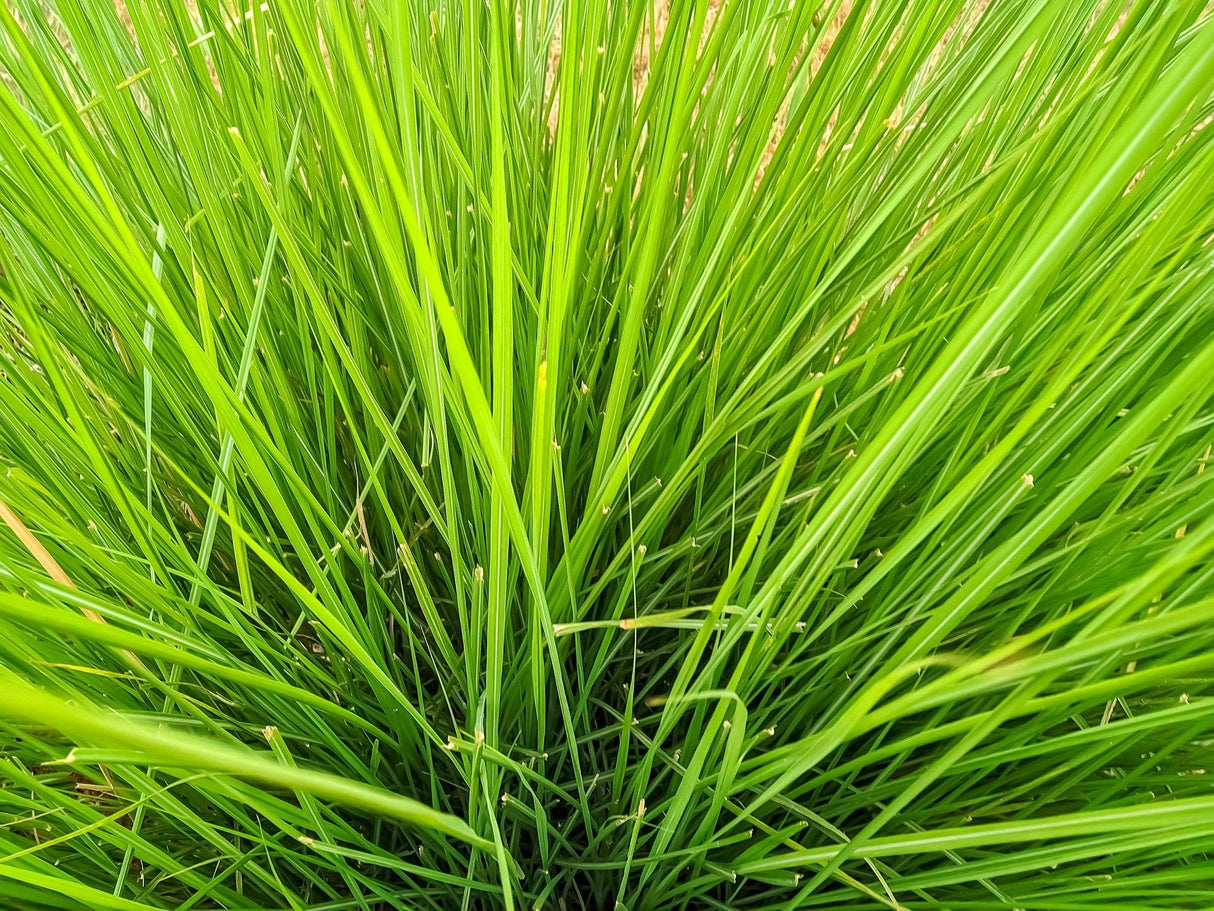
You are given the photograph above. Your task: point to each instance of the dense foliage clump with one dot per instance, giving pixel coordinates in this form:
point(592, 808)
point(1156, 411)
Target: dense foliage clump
point(591, 455)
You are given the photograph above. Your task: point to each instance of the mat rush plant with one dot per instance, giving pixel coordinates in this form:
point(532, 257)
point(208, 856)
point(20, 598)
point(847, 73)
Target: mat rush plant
point(594, 455)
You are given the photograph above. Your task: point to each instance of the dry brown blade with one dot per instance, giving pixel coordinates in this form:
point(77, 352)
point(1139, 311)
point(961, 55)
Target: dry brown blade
point(52, 567)
point(41, 554)
point(55, 571)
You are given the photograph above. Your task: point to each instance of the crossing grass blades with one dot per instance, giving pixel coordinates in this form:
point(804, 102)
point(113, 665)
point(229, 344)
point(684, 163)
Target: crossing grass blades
point(591, 455)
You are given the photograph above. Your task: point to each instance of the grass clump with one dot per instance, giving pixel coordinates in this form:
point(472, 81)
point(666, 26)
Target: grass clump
point(589, 455)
